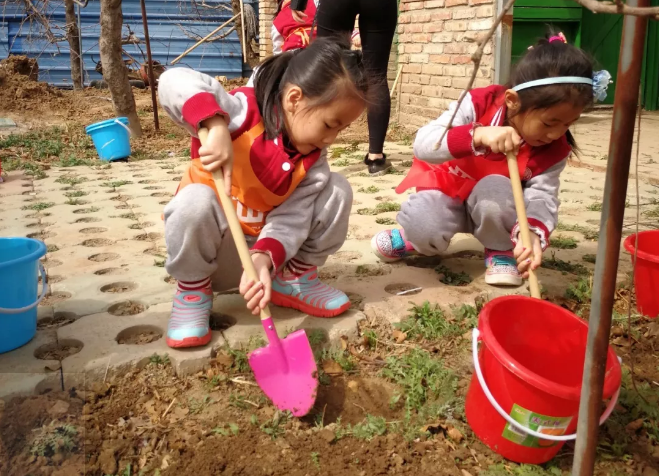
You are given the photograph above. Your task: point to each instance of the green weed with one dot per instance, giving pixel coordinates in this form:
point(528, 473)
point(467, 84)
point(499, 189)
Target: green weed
point(589, 258)
point(75, 194)
point(315, 459)
point(451, 278)
point(316, 337)
point(341, 163)
point(275, 427)
point(129, 216)
point(564, 267)
point(159, 262)
point(511, 469)
point(38, 206)
point(653, 213)
point(428, 321)
point(383, 207)
point(197, 406)
point(341, 357)
point(581, 291)
point(422, 378)
point(52, 248)
point(385, 221)
point(467, 315)
point(32, 169)
point(73, 161)
point(406, 163)
point(370, 338)
point(563, 242)
point(339, 151)
point(53, 439)
point(393, 171)
point(75, 201)
point(595, 207)
point(368, 429)
point(116, 183)
point(71, 180)
point(156, 359)
point(371, 189)
point(588, 233)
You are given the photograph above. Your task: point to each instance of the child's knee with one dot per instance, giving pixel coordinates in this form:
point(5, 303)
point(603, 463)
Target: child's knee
point(340, 188)
point(194, 204)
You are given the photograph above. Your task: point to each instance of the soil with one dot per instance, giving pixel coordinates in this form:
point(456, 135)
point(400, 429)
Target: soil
point(60, 319)
point(88, 220)
point(57, 351)
point(111, 271)
point(126, 308)
point(103, 257)
point(141, 339)
point(148, 237)
point(54, 298)
point(96, 242)
point(92, 230)
point(118, 287)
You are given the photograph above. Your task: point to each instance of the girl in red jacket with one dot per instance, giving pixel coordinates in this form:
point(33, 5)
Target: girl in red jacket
point(463, 185)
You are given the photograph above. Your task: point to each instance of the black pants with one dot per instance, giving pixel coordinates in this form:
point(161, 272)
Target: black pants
point(377, 25)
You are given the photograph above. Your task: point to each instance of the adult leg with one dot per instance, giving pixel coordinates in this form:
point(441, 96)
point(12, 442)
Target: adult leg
point(429, 220)
point(492, 210)
point(297, 285)
point(377, 25)
point(336, 17)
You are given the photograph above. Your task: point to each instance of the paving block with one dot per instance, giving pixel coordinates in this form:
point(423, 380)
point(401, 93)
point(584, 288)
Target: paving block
point(99, 333)
point(286, 320)
point(21, 372)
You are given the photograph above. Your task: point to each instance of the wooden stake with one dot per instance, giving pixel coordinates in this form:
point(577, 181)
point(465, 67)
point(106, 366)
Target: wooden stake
point(186, 52)
point(393, 86)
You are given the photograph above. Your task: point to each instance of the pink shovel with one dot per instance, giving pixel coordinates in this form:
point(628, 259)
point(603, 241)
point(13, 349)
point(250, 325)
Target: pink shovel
point(285, 369)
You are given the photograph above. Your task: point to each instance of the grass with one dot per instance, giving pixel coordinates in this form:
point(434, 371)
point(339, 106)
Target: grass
point(52, 248)
point(588, 233)
point(275, 428)
point(53, 439)
point(341, 163)
point(581, 291)
point(369, 428)
point(452, 278)
point(467, 315)
point(589, 258)
point(156, 359)
point(75, 194)
point(226, 430)
point(652, 213)
point(385, 221)
point(511, 469)
point(563, 242)
point(383, 207)
point(371, 189)
point(428, 321)
point(341, 357)
point(339, 151)
point(595, 207)
point(116, 184)
point(32, 169)
point(315, 459)
point(129, 216)
point(75, 201)
point(564, 267)
point(421, 377)
point(38, 206)
point(71, 180)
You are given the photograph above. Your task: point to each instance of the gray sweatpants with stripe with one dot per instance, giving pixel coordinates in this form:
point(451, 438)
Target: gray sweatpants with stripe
point(199, 243)
point(430, 218)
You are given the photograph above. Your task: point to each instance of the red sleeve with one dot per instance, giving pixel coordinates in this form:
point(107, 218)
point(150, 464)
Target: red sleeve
point(273, 248)
point(200, 107)
point(460, 141)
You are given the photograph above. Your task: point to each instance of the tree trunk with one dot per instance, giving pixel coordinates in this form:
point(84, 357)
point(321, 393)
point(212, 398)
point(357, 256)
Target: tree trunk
point(114, 68)
point(73, 37)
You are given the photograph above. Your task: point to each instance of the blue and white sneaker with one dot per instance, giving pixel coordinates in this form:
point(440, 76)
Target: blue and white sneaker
point(501, 268)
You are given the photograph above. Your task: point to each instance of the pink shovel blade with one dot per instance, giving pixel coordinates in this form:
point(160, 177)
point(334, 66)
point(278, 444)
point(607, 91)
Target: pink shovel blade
point(285, 369)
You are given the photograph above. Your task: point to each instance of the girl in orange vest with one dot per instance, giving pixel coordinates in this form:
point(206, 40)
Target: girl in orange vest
point(270, 142)
point(463, 185)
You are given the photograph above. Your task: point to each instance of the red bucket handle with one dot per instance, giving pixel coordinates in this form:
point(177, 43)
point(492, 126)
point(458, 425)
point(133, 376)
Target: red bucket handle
point(516, 424)
point(44, 285)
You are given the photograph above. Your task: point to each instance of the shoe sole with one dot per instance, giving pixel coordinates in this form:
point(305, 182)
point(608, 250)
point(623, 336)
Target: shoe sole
point(380, 172)
point(190, 341)
point(376, 250)
point(503, 280)
point(283, 300)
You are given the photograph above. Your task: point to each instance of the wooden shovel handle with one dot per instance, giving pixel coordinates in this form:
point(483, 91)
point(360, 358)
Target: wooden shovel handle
point(234, 225)
point(520, 207)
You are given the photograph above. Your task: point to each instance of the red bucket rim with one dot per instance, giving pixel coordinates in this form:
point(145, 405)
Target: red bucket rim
point(504, 358)
point(630, 243)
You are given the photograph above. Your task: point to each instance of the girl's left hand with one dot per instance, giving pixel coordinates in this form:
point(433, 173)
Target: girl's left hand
point(528, 257)
point(257, 294)
point(299, 16)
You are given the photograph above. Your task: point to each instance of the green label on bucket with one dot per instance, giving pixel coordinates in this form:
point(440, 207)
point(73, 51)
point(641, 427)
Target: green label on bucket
point(549, 425)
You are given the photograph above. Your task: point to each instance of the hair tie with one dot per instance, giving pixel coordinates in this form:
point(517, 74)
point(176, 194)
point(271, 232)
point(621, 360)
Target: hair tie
point(560, 37)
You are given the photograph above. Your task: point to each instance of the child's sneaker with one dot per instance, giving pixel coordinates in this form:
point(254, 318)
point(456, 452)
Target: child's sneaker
point(501, 268)
point(391, 245)
point(189, 322)
point(306, 293)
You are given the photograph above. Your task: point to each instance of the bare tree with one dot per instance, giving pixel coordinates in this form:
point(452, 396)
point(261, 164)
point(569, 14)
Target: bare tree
point(114, 68)
point(73, 37)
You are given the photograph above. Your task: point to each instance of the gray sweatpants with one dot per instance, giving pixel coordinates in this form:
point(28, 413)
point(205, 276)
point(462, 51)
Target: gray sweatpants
point(431, 218)
point(199, 243)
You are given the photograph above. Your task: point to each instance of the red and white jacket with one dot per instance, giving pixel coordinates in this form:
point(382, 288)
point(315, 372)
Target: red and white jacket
point(456, 166)
point(190, 97)
point(287, 34)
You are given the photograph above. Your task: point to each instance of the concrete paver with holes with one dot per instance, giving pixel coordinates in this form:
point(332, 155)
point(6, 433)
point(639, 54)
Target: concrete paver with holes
point(110, 295)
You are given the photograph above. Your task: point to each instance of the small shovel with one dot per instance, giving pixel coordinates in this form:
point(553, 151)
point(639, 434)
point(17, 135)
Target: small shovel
point(285, 369)
point(520, 207)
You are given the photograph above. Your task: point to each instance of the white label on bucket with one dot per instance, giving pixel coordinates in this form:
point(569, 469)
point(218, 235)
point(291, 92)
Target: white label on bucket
point(548, 425)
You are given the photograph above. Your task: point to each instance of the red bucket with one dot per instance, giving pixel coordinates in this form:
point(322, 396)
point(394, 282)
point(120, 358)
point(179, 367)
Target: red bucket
point(646, 277)
point(524, 395)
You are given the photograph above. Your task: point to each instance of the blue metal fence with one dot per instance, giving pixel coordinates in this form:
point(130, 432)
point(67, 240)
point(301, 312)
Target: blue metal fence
point(174, 26)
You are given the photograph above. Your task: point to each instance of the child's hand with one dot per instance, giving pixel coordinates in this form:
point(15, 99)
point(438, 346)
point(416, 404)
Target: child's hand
point(498, 139)
point(257, 294)
point(299, 16)
point(217, 152)
point(528, 257)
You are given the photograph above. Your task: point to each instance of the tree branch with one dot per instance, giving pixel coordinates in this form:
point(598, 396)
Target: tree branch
point(476, 58)
point(619, 8)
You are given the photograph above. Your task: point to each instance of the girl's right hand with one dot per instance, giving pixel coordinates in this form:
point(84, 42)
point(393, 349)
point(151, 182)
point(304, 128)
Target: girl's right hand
point(217, 152)
point(499, 140)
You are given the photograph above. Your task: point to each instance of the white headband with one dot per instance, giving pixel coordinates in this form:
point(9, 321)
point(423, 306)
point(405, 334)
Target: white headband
point(554, 80)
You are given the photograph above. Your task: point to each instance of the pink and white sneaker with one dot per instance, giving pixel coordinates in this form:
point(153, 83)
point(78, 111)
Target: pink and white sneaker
point(189, 324)
point(501, 268)
point(391, 245)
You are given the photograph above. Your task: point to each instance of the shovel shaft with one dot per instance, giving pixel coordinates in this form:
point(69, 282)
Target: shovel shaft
point(520, 207)
point(234, 225)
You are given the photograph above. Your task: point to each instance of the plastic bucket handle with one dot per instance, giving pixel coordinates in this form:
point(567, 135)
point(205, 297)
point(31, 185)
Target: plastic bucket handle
point(117, 121)
point(36, 303)
point(516, 424)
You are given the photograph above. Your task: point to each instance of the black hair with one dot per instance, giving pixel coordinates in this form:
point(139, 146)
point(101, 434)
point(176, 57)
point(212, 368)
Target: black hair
point(324, 70)
point(280, 4)
point(550, 59)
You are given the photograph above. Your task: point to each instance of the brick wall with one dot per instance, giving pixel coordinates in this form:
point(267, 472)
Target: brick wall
point(267, 9)
point(435, 41)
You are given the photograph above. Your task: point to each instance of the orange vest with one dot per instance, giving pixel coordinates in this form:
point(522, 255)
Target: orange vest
point(251, 199)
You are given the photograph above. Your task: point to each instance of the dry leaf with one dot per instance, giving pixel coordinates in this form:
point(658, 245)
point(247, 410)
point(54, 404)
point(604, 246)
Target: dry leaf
point(433, 428)
point(344, 342)
point(653, 329)
point(621, 342)
point(455, 435)
point(399, 336)
point(466, 473)
point(635, 425)
point(224, 360)
point(165, 462)
point(330, 367)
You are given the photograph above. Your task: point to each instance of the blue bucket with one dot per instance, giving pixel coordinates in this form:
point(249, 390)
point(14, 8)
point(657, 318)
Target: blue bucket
point(111, 138)
point(19, 265)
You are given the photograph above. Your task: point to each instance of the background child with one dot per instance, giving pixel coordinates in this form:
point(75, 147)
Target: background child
point(464, 186)
point(291, 29)
point(270, 142)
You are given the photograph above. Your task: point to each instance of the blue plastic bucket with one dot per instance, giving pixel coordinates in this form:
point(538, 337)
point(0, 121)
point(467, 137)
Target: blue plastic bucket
point(19, 265)
point(111, 138)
